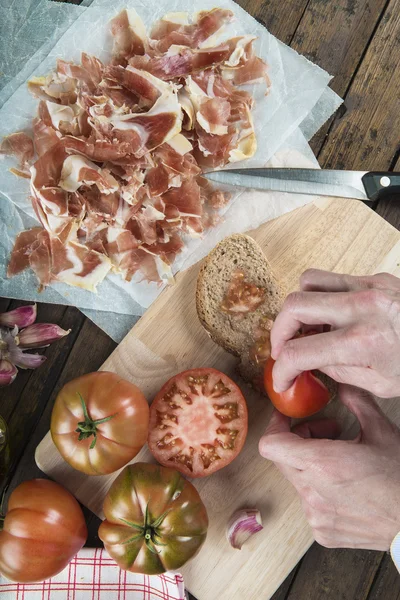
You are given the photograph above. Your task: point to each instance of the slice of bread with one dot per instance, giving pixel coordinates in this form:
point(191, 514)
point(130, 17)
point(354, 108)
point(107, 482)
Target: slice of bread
point(235, 332)
point(238, 332)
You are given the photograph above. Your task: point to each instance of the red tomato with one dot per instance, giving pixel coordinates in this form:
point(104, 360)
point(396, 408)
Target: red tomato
point(99, 422)
point(307, 395)
point(155, 520)
point(43, 530)
point(198, 422)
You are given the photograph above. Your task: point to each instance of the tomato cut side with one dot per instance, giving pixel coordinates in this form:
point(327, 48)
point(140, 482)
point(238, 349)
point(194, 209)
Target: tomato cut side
point(198, 422)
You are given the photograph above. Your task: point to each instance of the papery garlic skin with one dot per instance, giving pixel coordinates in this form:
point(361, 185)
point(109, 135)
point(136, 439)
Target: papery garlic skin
point(242, 525)
point(8, 372)
point(23, 316)
point(18, 333)
point(40, 335)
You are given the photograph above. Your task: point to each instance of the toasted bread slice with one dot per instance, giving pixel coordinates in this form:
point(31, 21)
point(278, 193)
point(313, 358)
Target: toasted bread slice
point(237, 299)
point(236, 331)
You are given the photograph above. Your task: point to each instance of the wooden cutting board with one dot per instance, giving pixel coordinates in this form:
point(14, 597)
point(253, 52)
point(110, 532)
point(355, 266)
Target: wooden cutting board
point(335, 234)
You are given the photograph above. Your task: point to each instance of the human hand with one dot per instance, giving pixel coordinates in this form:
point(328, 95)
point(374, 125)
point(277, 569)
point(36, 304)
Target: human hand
point(362, 347)
point(350, 490)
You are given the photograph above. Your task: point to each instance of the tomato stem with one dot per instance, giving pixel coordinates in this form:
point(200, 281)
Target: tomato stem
point(149, 531)
point(88, 427)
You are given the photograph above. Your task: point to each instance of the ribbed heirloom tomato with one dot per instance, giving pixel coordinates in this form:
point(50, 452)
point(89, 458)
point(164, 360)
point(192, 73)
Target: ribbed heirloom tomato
point(155, 520)
point(198, 422)
point(99, 422)
point(43, 530)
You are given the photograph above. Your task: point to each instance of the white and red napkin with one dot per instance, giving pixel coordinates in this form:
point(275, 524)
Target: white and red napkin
point(93, 575)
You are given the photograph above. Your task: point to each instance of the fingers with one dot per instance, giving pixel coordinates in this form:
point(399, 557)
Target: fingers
point(375, 426)
point(316, 352)
point(365, 378)
point(320, 429)
point(278, 423)
point(325, 281)
point(285, 448)
point(313, 309)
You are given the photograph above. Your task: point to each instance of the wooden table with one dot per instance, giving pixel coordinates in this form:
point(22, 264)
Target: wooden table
point(357, 41)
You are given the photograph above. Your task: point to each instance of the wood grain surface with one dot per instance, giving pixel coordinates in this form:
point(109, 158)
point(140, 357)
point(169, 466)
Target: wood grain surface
point(340, 35)
point(332, 234)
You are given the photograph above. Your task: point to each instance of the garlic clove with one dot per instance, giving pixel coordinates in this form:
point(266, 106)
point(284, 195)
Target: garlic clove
point(26, 361)
point(40, 335)
point(21, 317)
point(242, 525)
point(8, 372)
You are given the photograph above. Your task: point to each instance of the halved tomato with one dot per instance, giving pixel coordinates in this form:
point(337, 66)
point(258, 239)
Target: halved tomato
point(198, 422)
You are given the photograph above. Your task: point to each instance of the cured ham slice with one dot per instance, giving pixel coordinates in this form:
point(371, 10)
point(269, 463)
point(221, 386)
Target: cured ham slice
point(252, 71)
point(157, 180)
point(54, 87)
point(88, 267)
point(44, 137)
point(192, 35)
point(88, 74)
point(183, 164)
point(129, 34)
point(213, 115)
point(118, 148)
point(64, 118)
point(149, 130)
point(77, 170)
point(98, 150)
point(180, 61)
point(19, 260)
point(186, 198)
point(46, 171)
point(144, 85)
point(19, 145)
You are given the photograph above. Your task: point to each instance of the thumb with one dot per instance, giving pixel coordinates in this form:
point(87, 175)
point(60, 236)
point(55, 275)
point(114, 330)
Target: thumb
point(373, 423)
point(321, 429)
point(278, 423)
point(280, 445)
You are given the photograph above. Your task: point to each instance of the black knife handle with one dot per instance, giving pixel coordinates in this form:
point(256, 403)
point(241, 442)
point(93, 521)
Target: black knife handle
point(381, 183)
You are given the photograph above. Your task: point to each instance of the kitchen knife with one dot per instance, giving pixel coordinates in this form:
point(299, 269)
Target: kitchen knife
point(362, 185)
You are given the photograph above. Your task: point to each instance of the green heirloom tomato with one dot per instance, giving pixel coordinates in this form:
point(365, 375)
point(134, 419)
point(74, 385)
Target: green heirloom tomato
point(155, 519)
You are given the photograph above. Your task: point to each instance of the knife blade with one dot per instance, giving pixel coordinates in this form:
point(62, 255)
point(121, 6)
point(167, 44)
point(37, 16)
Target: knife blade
point(361, 185)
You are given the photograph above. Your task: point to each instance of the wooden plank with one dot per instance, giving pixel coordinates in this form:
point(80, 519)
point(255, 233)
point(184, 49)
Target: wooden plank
point(345, 574)
point(367, 136)
point(23, 403)
point(332, 234)
point(281, 23)
point(386, 584)
point(344, 30)
point(284, 589)
point(10, 396)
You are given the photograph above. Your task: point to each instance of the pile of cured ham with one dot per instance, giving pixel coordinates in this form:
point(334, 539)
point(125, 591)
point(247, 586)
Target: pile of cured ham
point(117, 150)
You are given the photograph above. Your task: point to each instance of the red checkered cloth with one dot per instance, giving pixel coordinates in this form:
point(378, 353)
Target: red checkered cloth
point(93, 575)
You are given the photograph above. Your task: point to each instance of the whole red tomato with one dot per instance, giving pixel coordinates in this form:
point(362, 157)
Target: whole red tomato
point(43, 530)
point(305, 397)
point(198, 422)
point(99, 422)
point(155, 520)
